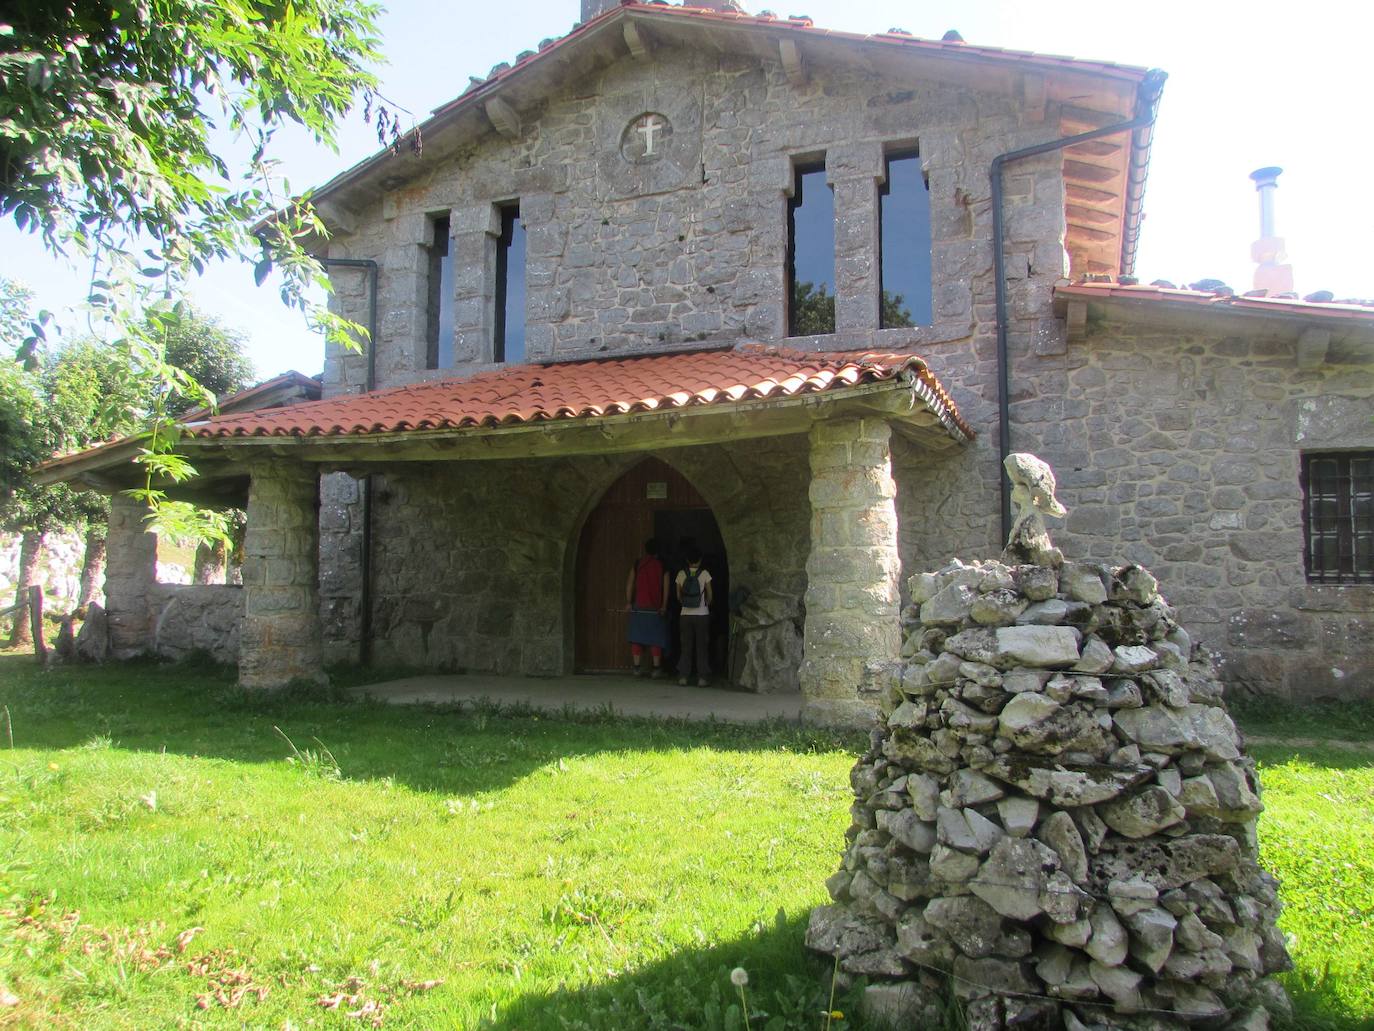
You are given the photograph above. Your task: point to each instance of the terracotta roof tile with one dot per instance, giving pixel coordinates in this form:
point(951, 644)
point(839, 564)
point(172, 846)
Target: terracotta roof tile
point(1217, 301)
point(590, 389)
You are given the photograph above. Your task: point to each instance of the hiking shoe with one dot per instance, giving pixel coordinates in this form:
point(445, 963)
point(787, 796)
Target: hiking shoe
point(681, 681)
point(657, 674)
point(638, 672)
point(703, 682)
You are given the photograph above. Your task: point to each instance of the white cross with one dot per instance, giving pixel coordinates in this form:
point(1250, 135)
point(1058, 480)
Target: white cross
point(649, 126)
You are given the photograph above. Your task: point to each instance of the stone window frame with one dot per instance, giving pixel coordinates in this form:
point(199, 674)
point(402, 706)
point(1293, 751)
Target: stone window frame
point(1344, 526)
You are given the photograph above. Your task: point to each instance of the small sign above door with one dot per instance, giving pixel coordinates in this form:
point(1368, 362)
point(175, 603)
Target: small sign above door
point(656, 490)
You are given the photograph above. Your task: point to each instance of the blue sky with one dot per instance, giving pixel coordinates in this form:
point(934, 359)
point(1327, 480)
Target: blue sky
point(1250, 84)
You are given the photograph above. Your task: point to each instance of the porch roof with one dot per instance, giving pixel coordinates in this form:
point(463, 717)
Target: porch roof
point(525, 394)
point(526, 411)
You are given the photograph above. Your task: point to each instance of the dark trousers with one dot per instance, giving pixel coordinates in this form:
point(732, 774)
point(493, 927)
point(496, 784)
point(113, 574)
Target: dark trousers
point(696, 639)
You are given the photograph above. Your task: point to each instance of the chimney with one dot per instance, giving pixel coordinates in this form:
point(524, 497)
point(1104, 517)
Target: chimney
point(1268, 251)
point(591, 8)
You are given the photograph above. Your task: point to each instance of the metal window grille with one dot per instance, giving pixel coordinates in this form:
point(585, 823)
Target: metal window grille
point(1338, 517)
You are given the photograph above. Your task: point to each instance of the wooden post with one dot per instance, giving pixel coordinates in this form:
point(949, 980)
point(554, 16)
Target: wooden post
point(36, 623)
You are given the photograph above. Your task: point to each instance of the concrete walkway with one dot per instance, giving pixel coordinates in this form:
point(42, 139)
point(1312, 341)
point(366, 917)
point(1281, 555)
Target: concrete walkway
point(625, 695)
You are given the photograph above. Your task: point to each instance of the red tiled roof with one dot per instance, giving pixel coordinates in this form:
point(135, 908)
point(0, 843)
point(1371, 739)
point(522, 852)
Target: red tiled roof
point(248, 398)
point(591, 389)
point(1218, 301)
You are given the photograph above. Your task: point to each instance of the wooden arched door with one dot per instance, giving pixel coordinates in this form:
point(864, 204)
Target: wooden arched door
point(652, 499)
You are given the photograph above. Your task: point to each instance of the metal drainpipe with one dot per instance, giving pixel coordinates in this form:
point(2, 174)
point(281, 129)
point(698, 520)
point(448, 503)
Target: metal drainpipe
point(365, 549)
point(1146, 105)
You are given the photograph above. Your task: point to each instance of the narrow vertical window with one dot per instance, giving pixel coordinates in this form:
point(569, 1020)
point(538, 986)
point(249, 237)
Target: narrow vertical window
point(811, 254)
point(510, 288)
point(439, 325)
point(905, 249)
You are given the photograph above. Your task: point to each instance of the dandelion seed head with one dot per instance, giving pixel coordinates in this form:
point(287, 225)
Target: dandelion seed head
point(739, 977)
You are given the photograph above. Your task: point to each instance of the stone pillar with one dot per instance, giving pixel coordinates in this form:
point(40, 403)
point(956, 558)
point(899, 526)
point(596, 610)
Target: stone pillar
point(130, 573)
point(855, 173)
point(475, 230)
point(280, 638)
point(851, 574)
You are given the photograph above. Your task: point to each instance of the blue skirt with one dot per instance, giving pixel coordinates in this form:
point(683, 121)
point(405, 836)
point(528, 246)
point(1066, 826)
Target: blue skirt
point(648, 628)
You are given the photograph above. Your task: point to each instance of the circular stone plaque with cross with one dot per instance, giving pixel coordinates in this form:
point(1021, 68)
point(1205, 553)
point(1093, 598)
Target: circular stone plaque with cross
point(645, 139)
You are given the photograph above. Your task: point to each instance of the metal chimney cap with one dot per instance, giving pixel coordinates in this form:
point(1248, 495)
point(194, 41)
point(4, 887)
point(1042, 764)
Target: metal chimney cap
point(1266, 176)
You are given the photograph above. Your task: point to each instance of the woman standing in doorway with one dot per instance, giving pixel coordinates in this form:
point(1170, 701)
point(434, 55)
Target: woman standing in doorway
point(646, 593)
point(694, 595)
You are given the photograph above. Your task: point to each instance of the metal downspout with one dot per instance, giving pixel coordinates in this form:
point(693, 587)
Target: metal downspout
point(365, 546)
point(1146, 105)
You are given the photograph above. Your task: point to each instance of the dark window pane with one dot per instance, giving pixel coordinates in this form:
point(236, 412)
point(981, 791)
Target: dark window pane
point(1339, 509)
point(510, 288)
point(439, 325)
point(905, 261)
point(811, 254)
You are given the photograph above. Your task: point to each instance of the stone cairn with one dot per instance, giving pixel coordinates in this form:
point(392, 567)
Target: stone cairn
point(1055, 816)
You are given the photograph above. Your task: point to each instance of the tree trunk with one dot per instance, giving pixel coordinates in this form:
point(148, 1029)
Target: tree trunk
point(210, 561)
point(30, 551)
point(92, 567)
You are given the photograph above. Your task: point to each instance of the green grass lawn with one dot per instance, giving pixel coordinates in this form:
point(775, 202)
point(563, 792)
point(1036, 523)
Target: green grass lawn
point(546, 873)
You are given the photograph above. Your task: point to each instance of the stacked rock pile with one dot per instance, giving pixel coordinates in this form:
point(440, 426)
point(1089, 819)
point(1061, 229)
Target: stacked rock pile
point(1055, 817)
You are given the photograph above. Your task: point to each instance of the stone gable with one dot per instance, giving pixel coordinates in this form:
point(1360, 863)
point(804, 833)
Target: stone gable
point(690, 248)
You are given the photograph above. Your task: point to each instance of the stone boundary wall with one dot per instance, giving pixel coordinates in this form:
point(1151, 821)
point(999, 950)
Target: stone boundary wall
point(189, 618)
point(59, 568)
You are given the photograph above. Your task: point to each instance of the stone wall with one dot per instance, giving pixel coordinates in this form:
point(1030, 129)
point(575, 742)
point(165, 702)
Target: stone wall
point(473, 562)
point(1181, 452)
point(626, 257)
point(188, 619)
point(59, 569)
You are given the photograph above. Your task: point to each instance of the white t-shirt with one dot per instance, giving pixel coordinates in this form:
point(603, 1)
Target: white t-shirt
point(704, 578)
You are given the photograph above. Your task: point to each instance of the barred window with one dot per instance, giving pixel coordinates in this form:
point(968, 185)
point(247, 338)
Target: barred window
point(1338, 517)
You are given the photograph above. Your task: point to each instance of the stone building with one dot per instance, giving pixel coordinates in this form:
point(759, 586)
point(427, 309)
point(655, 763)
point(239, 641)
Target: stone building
point(672, 272)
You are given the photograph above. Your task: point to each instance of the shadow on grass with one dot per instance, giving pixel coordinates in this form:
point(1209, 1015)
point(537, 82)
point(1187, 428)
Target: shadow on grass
point(691, 989)
point(1319, 720)
point(196, 710)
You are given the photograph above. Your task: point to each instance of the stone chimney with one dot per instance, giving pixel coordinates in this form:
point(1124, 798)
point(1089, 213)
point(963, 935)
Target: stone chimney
point(1268, 251)
point(591, 8)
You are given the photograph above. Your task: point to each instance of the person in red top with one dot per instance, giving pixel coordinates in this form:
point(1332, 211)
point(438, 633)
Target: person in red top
point(646, 594)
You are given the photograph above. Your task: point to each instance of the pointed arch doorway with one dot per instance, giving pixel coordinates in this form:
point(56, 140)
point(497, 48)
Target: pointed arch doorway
point(652, 499)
